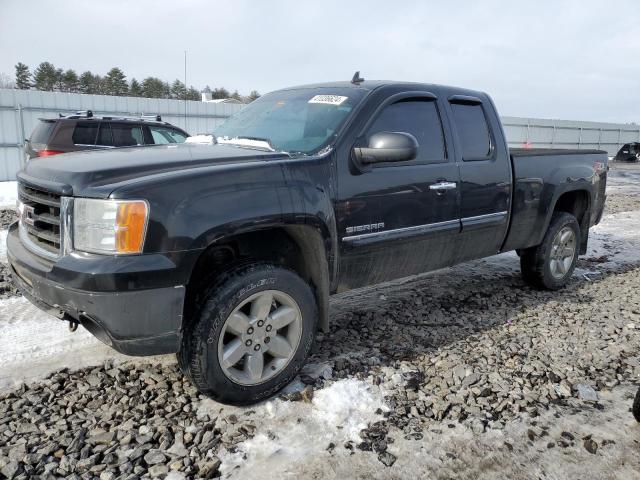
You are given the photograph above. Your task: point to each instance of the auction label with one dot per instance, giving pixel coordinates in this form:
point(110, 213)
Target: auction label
point(328, 99)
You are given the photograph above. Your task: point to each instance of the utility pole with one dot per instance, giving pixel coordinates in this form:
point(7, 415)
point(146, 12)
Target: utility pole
point(185, 89)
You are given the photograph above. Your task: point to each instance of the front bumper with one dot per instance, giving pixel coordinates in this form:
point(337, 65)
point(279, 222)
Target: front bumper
point(133, 304)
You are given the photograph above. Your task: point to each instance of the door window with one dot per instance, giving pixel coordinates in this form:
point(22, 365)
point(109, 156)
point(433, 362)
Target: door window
point(421, 119)
point(125, 135)
point(85, 133)
point(104, 135)
point(164, 135)
point(473, 131)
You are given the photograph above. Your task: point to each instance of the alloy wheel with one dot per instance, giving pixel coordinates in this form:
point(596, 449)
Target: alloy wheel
point(260, 337)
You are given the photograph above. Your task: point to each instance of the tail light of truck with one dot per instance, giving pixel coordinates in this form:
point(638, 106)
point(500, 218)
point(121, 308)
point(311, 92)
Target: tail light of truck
point(48, 153)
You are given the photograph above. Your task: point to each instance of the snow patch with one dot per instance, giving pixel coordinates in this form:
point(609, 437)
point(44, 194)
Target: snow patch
point(289, 433)
point(201, 138)
point(33, 344)
point(8, 194)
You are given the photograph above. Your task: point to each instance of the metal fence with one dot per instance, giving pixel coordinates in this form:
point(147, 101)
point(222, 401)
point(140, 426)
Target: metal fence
point(541, 133)
point(20, 110)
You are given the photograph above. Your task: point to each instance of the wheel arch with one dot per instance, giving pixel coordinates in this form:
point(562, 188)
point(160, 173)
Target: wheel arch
point(576, 201)
point(300, 247)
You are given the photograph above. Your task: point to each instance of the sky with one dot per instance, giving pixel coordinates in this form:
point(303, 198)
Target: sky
point(565, 59)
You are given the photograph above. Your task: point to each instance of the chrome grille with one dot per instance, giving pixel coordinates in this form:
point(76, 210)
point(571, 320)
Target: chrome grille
point(40, 221)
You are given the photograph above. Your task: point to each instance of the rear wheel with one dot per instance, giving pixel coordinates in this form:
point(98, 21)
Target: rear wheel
point(551, 264)
point(636, 406)
point(252, 333)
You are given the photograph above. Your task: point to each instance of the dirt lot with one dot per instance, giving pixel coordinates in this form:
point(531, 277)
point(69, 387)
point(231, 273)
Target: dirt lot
point(462, 373)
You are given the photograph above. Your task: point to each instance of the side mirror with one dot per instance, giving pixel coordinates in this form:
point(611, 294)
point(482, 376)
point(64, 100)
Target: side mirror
point(388, 147)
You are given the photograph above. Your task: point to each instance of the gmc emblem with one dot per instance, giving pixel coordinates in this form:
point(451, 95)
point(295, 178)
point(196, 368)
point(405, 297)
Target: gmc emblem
point(27, 215)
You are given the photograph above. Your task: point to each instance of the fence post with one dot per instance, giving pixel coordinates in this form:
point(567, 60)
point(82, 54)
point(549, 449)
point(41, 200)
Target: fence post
point(23, 156)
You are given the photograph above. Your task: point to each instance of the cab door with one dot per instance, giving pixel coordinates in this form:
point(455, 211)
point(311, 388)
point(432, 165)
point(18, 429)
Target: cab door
point(399, 218)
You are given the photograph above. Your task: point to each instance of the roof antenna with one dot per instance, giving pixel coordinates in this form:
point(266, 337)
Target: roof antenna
point(357, 79)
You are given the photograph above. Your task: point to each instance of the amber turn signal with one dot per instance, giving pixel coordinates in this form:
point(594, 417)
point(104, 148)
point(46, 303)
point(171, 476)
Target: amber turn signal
point(131, 224)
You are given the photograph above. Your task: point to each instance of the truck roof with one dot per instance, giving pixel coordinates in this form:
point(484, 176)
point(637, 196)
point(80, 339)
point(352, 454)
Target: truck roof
point(374, 84)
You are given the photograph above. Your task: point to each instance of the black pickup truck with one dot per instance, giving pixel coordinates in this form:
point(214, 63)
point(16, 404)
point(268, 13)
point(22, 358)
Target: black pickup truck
point(227, 254)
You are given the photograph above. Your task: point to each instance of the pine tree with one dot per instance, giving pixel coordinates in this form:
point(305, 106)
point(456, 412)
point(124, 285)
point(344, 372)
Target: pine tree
point(153, 87)
point(135, 90)
point(59, 83)
point(70, 81)
point(193, 94)
point(45, 77)
point(23, 76)
point(115, 82)
point(220, 93)
point(86, 82)
point(178, 90)
point(254, 95)
point(236, 96)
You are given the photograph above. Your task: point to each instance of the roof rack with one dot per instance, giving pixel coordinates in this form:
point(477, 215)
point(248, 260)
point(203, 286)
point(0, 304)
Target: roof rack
point(89, 114)
point(79, 114)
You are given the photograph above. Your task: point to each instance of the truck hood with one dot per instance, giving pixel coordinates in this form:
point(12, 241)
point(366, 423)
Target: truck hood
point(98, 173)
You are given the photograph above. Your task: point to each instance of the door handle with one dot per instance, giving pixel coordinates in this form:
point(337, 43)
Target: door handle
point(443, 186)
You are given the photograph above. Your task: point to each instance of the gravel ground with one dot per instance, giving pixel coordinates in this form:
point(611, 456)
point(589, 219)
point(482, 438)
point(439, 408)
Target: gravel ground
point(7, 217)
point(462, 373)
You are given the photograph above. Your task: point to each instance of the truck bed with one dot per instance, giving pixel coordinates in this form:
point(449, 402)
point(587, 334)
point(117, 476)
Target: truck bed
point(540, 177)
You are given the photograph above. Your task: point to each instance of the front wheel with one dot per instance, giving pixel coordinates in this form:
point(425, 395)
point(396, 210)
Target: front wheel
point(550, 264)
point(252, 333)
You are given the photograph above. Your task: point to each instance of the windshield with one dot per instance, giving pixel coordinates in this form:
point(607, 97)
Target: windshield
point(294, 121)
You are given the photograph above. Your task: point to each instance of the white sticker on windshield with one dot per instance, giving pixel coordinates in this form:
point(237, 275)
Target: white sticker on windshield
point(328, 99)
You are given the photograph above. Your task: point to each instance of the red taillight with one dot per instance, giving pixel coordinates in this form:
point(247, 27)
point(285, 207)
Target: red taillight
point(48, 153)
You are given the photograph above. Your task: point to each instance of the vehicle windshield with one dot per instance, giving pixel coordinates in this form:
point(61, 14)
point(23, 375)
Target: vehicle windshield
point(294, 121)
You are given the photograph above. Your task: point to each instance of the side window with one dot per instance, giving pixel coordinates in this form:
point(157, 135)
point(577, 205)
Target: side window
point(421, 119)
point(473, 131)
point(104, 135)
point(125, 135)
point(85, 133)
point(163, 135)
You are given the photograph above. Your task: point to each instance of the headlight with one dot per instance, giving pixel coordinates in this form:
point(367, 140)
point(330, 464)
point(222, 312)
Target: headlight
point(109, 226)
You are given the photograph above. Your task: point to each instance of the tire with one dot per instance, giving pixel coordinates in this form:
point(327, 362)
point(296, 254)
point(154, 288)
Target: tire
point(240, 319)
point(550, 264)
point(636, 406)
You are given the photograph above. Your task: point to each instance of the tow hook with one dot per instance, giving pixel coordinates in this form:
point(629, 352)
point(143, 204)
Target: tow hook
point(73, 326)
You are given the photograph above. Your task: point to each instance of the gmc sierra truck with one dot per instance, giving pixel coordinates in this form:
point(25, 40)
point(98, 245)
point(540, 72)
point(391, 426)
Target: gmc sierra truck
point(226, 254)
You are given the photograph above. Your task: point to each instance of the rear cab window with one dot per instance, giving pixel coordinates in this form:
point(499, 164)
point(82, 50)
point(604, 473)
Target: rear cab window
point(473, 130)
point(42, 132)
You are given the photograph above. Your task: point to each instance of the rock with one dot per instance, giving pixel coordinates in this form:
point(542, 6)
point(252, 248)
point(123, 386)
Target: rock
point(591, 446)
point(568, 435)
point(562, 390)
point(158, 471)
point(103, 438)
point(154, 457)
point(307, 394)
point(178, 449)
point(587, 393)
point(387, 458)
point(471, 380)
point(173, 475)
point(208, 468)
point(10, 469)
point(315, 371)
